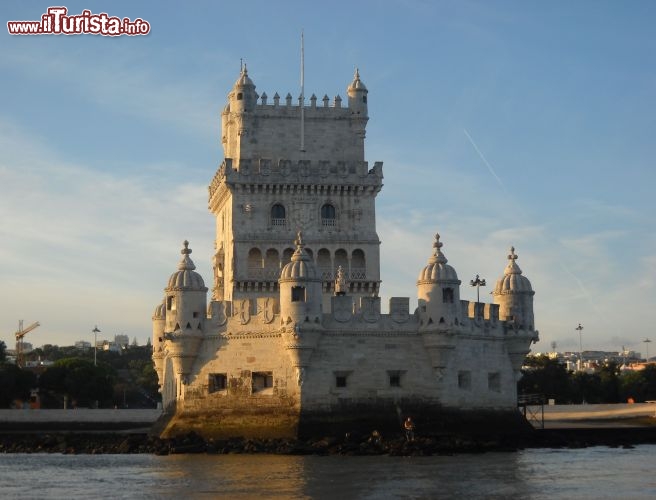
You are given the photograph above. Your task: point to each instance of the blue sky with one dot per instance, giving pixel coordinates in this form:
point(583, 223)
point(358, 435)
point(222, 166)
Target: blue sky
point(499, 123)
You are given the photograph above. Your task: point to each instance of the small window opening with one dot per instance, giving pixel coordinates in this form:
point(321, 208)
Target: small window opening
point(217, 382)
point(494, 381)
point(447, 295)
point(364, 98)
point(170, 303)
point(298, 294)
point(195, 314)
point(340, 380)
point(240, 96)
point(262, 381)
point(394, 378)
point(464, 380)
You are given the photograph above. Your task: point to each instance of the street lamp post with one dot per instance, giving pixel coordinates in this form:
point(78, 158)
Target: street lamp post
point(478, 283)
point(647, 341)
point(580, 330)
point(95, 345)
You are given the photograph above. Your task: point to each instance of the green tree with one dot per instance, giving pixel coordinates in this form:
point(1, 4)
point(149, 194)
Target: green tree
point(639, 385)
point(15, 384)
point(78, 380)
point(3, 351)
point(609, 379)
point(548, 377)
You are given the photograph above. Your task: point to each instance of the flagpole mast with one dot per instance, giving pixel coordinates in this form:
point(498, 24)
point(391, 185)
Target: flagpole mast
point(302, 103)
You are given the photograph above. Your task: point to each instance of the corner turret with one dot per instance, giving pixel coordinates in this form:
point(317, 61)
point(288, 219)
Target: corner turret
point(186, 303)
point(242, 97)
point(300, 288)
point(357, 96)
point(514, 295)
point(438, 291)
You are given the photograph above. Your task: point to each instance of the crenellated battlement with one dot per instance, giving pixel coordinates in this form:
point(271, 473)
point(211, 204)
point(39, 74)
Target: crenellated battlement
point(263, 104)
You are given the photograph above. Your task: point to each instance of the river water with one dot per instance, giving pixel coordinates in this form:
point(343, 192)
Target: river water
point(597, 472)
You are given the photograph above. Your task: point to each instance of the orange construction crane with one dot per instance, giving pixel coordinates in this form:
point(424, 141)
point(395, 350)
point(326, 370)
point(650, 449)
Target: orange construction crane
point(19, 340)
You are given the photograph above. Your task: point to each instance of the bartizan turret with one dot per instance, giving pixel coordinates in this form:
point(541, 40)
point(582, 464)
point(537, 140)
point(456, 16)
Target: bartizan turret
point(300, 288)
point(357, 104)
point(300, 308)
point(159, 322)
point(237, 116)
point(438, 291)
point(514, 294)
point(186, 303)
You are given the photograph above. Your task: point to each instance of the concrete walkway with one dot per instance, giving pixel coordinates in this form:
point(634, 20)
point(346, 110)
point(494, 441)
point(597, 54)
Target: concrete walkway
point(587, 416)
point(81, 415)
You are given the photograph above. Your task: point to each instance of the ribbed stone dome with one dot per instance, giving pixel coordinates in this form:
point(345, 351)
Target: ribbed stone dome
point(357, 84)
point(160, 311)
point(301, 266)
point(185, 278)
point(244, 79)
point(512, 279)
point(437, 268)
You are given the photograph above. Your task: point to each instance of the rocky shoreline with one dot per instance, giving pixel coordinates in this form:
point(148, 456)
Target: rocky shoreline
point(444, 444)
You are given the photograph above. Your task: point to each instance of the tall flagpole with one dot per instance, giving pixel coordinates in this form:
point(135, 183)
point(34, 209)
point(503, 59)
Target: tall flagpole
point(302, 93)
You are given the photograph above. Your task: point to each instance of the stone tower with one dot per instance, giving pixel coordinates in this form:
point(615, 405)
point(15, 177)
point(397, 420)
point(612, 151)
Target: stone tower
point(293, 342)
point(267, 189)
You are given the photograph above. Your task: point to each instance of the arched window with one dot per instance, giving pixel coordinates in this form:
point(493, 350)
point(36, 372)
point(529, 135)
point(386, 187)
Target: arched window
point(328, 215)
point(278, 215)
point(324, 264)
point(341, 259)
point(254, 263)
point(272, 264)
point(358, 265)
point(287, 256)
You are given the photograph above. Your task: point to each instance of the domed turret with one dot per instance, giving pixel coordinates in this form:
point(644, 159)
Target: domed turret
point(185, 297)
point(185, 278)
point(242, 97)
point(300, 288)
point(357, 95)
point(438, 290)
point(514, 294)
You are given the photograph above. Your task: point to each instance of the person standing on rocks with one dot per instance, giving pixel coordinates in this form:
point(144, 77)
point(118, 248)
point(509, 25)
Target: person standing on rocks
point(409, 427)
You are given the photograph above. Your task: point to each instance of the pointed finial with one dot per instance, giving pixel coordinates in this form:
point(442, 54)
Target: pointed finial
point(299, 239)
point(357, 74)
point(186, 250)
point(438, 244)
point(513, 255)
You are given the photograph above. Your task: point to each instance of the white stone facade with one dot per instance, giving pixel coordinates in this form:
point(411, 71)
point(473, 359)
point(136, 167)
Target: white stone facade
point(293, 337)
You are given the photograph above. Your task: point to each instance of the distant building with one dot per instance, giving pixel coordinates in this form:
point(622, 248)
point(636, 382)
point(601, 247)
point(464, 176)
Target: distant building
point(122, 341)
point(293, 340)
point(82, 345)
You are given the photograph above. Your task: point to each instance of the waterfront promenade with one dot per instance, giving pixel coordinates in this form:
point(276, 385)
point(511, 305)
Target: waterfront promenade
point(555, 416)
point(599, 415)
point(79, 419)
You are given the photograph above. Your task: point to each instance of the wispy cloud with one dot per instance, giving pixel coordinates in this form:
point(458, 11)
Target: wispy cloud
point(85, 247)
